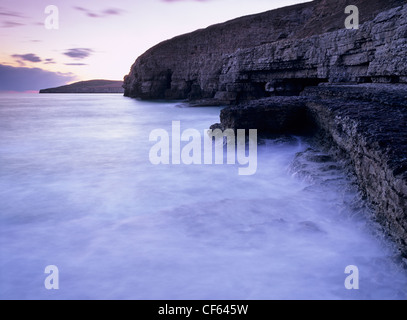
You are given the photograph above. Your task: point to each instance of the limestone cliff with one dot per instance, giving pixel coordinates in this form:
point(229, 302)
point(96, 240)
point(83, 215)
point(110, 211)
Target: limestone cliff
point(277, 53)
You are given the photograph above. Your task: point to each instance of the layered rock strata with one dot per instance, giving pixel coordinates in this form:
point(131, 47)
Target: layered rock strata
point(288, 58)
point(277, 53)
point(366, 125)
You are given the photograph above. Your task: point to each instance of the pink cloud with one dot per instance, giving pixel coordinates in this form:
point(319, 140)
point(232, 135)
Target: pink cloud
point(100, 14)
point(11, 24)
point(185, 0)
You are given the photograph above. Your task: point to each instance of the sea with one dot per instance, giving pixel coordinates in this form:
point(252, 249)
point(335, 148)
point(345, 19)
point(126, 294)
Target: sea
point(85, 214)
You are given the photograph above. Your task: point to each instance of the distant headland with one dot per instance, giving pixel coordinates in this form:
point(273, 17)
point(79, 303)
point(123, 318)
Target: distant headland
point(91, 86)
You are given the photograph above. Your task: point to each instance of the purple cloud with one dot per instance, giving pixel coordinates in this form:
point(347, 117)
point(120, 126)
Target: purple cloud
point(11, 24)
point(49, 61)
point(101, 14)
point(31, 57)
point(112, 12)
point(76, 64)
point(78, 53)
point(7, 13)
point(20, 63)
point(25, 79)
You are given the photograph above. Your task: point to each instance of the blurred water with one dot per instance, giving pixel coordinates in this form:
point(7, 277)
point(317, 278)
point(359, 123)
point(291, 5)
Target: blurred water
point(77, 190)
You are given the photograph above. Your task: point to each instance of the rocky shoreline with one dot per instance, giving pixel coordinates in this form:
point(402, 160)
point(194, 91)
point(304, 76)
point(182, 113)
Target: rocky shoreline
point(297, 70)
point(90, 86)
point(277, 53)
point(357, 126)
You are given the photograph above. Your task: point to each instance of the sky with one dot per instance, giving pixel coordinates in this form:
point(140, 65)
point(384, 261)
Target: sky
point(43, 46)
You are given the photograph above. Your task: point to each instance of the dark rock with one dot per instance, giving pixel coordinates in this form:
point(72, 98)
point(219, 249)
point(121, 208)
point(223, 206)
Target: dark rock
point(298, 50)
point(269, 116)
point(279, 52)
point(216, 126)
point(390, 95)
point(371, 137)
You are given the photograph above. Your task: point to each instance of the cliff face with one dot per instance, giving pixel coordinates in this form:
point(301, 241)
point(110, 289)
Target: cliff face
point(365, 125)
point(374, 142)
point(281, 56)
point(277, 53)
